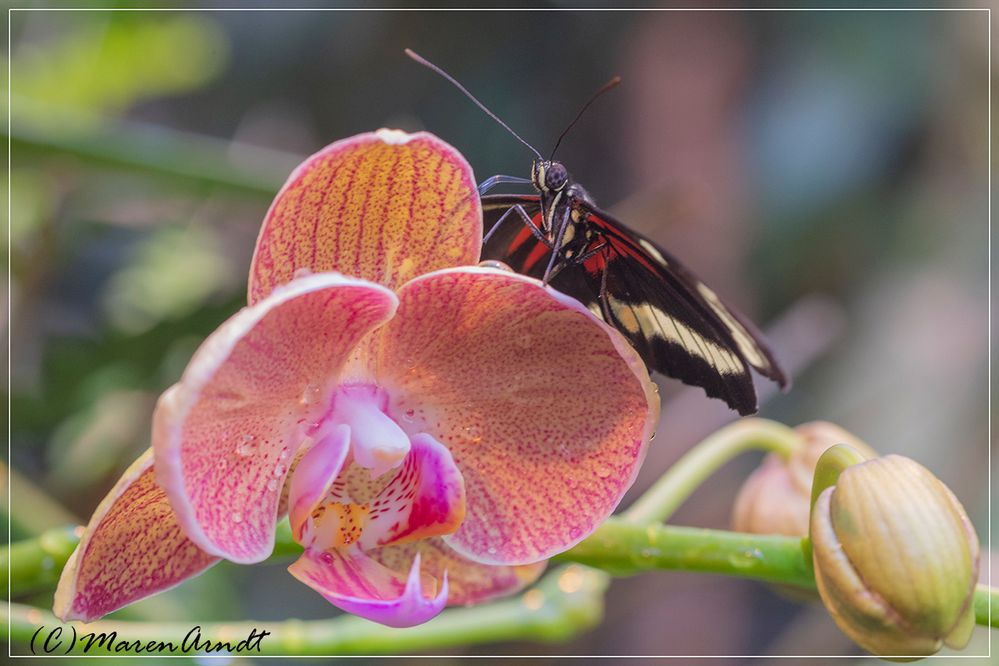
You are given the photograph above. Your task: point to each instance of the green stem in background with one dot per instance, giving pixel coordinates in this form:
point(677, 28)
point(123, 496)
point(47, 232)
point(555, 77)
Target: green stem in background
point(35, 564)
point(568, 601)
point(183, 156)
point(686, 475)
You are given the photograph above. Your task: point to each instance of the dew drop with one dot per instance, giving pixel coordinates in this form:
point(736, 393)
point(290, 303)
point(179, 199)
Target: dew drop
point(575, 533)
point(327, 558)
point(744, 559)
point(310, 395)
point(246, 447)
point(603, 472)
point(237, 517)
point(491, 550)
point(272, 485)
point(279, 469)
point(284, 451)
point(304, 271)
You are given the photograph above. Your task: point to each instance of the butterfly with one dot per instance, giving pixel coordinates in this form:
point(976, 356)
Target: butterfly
point(676, 322)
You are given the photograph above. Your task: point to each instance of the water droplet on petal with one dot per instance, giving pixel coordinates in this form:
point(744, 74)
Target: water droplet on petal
point(491, 550)
point(279, 469)
point(272, 485)
point(603, 472)
point(237, 517)
point(247, 446)
point(304, 271)
point(327, 558)
point(575, 533)
point(310, 395)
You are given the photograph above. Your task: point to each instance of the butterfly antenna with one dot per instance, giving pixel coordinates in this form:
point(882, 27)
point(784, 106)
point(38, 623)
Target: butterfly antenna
point(431, 66)
point(607, 86)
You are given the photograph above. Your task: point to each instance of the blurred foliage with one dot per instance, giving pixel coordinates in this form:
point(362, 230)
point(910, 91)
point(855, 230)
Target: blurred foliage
point(104, 65)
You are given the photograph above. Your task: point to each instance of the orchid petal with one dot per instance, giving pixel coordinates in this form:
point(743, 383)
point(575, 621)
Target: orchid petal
point(132, 548)
point(385, 206)
point(313, 476)
point(469, 582)
point(546, 409)
point(225, 435)
point(352, 581)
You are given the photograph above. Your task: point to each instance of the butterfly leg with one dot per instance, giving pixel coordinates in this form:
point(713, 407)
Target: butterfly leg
point(557, 245)
point(524, 218)
point(499, 179)
point(591, 252)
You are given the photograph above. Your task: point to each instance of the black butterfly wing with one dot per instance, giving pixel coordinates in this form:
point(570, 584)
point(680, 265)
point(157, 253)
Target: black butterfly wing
point(677, 323)
point(513, 243)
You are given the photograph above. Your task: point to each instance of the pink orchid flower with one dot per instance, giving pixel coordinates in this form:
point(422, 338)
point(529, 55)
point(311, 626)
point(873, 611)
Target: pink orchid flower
point(434, 430)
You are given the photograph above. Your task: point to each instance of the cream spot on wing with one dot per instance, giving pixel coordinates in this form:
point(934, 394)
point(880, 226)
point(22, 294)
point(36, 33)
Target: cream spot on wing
point(747, 345)
point(656, 323)
point(653, 251)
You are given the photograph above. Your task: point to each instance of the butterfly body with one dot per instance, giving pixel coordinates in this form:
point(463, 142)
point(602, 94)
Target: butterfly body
point(678, 324)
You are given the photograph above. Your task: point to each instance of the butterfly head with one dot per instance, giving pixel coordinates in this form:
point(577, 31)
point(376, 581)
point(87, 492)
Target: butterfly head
point(549, 176)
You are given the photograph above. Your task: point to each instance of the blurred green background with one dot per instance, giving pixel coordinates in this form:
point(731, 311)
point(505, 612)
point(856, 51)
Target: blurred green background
point(826, 171)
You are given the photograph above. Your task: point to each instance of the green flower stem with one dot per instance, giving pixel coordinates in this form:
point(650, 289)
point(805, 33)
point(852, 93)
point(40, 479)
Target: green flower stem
point(986, 597)
point(568, 601)
point(676, 485)
point(35, 564)
point(623, 548)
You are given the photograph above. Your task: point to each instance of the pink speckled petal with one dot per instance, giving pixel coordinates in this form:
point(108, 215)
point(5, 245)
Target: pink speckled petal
point(469, 582)
point(385, 206)
point(426, 498)
point(352, 581)
point(546, 409)
point(225, 436)
point(314, 475)
point(132, 548)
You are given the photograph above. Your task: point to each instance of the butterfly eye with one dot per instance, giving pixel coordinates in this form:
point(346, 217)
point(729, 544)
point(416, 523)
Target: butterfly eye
point(556, 176)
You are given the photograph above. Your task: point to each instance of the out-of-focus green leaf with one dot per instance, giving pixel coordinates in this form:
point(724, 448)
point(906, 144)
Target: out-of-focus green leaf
point(93, 64)
point(171, 275)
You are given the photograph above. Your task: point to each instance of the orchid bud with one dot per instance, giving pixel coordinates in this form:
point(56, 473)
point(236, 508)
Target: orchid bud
point(775, 498)
point(896, 558)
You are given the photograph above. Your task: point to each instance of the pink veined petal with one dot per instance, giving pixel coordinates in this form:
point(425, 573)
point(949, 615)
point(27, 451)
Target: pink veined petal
point(385, 206)
point(426, 498)
point(314, 475)
point(352, 581)
point(546, 410)
point(469, 582)
point(132, 548)
point(225, 435)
